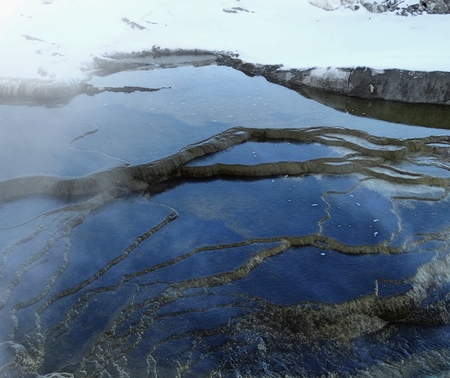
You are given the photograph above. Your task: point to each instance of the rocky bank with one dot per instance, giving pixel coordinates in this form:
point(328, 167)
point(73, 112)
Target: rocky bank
point(362, 82)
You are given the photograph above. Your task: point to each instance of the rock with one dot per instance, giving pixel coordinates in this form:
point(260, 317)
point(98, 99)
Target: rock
point(330, 5)
point(436, 6)
point(428, 6)
point(327, 5)
point(374, 7)
point(400, 85)
point(363, 82)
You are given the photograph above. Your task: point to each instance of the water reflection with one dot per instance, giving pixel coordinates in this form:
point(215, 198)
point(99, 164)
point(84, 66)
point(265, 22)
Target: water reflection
point(286, 247)
point(425, 115)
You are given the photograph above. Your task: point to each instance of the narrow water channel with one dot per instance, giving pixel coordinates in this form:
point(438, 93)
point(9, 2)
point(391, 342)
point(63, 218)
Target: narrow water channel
point(193, 221)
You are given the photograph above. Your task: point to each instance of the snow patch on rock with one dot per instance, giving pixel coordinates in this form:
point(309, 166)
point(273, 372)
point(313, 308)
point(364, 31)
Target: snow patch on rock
point(326, 78)
point(327, 5)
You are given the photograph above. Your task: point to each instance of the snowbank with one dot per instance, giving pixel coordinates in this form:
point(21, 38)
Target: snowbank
point(60, 40)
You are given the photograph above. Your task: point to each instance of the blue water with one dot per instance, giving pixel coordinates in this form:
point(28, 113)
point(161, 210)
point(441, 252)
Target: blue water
point(117, 285)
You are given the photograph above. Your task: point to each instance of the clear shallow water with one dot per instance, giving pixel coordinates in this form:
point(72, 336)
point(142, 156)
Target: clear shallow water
point(323, 251)
point(195, 103)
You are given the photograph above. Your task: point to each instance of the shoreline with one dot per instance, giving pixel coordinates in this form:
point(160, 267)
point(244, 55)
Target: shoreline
point(412, 87)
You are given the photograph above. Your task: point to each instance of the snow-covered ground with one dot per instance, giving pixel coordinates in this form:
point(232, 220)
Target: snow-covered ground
point(59, 39)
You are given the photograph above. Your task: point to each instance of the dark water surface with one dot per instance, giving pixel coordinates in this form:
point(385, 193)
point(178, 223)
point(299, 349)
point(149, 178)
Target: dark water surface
point(317, 247)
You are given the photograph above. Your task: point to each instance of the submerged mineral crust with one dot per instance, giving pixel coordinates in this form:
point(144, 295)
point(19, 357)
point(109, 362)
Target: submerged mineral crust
point(256, 252)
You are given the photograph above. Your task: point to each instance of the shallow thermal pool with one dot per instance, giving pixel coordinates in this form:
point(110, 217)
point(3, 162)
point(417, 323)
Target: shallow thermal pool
point(221, 225)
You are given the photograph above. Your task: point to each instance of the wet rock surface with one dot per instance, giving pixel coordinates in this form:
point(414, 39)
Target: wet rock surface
point(191, 265)
point(362, 82)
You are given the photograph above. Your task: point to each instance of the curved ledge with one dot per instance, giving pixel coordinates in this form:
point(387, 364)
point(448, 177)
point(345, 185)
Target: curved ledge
point(363, 82)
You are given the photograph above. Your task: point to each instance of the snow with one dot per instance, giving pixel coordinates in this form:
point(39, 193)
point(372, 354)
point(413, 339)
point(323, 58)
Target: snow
point(59, 39)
